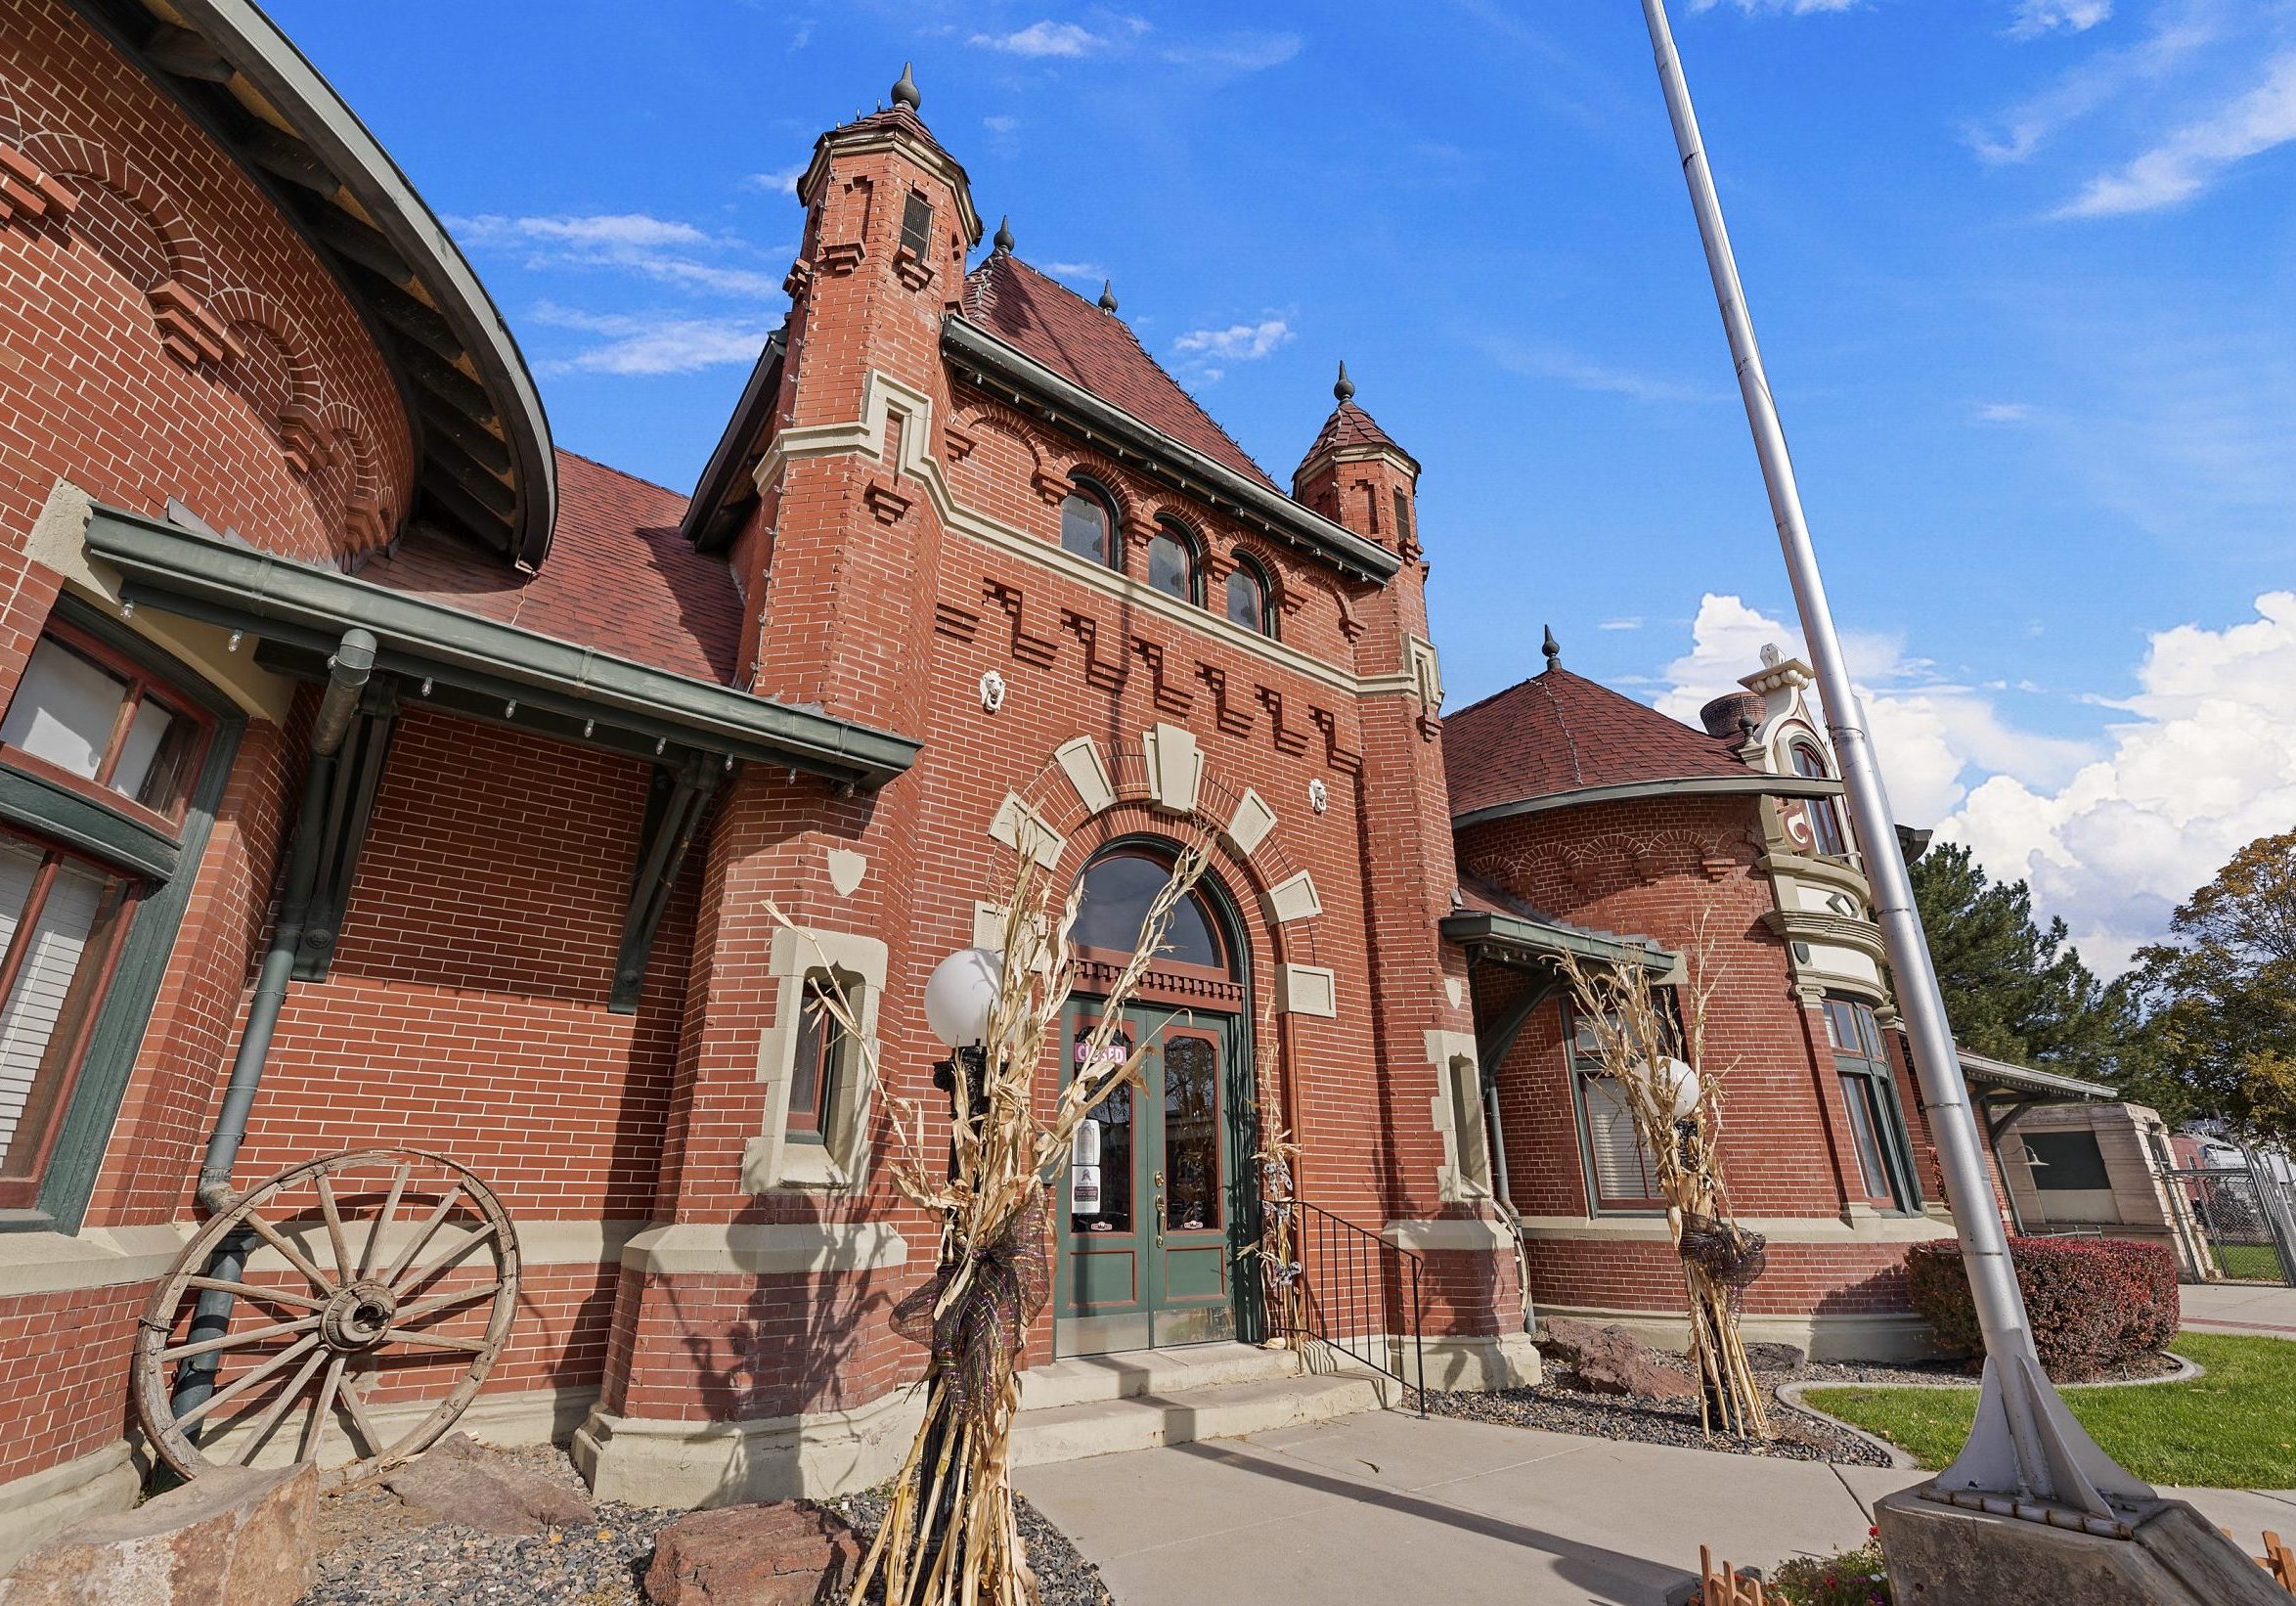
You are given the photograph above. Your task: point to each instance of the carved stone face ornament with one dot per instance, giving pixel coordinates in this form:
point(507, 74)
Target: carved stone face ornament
point(993, 690)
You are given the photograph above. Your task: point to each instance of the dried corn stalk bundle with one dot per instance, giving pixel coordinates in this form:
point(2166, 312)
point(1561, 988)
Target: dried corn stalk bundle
point(1644, 1044)
point(950, 1537)
point(1278, 1250)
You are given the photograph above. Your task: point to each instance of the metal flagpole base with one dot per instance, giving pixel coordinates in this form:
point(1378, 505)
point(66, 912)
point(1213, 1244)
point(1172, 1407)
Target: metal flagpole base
point(2084, 1487)
point(1950, 1555)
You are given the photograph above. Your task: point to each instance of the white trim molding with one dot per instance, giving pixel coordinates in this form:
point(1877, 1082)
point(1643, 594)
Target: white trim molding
point(1081, 762)
point(1307, 989)
point(1866, 1227)
point(771, 1161)
point(1175, 768)
point(1250, 824)
point(755, 1249)
point(1023, 829)
point(1452, 1236)
point(1294, 899)
point(39, 1505)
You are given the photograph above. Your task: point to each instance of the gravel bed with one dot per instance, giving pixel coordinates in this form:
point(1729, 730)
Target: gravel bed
point(376, 1550)
point(1890, 1374)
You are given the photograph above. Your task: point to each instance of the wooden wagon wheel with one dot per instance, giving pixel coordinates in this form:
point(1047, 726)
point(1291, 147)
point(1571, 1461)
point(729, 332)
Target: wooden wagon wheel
point(362, 1274)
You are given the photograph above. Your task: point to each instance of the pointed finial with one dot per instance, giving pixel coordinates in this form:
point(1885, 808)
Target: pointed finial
point(1107, 296)
point(1344, 390)
point(1002, 242)
point(905, 93)
point(1552, 648)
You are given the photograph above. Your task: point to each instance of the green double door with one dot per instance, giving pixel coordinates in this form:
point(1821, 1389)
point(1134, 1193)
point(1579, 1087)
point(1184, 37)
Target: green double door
point(1154, 1199)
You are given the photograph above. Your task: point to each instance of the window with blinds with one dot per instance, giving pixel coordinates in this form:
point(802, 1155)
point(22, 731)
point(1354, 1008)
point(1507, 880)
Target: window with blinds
point(59, 918)
point(1617, 1161)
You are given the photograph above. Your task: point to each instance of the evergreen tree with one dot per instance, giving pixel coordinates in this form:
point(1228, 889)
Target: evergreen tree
point(2014, 990)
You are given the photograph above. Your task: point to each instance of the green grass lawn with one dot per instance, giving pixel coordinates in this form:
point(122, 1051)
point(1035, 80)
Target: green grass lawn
point(2254, 1261)
point(2235, 1428)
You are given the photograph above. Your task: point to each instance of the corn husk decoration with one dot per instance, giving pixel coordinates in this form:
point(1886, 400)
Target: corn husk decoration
point(1278, 1157)
point(949, 1536)
point(1637, 1037)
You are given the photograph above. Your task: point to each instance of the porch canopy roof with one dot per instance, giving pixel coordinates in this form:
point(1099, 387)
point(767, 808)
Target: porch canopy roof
point(1494, 926)
point(479, 667)
point(1989, 1077)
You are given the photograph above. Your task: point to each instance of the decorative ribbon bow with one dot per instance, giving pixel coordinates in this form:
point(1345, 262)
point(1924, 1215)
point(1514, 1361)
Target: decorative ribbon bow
point(975, 1343)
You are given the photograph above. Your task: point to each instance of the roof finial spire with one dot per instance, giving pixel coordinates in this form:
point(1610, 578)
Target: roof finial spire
point(1004, 239)
point(1552, 648)
point(905, 93)
point(1108, 295)
point(1344, 389)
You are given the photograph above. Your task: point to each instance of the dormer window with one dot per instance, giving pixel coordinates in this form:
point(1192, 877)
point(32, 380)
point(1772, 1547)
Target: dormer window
point(1087, 525)
point(916, 226)
point(1172, 562)
point(1251, 600)
point(1827, 837)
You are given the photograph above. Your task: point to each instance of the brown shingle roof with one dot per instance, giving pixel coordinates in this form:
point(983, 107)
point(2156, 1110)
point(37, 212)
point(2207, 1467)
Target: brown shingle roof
point(1096, 350)
point(1349, 426)
point(1562, 732)
point(619, 578)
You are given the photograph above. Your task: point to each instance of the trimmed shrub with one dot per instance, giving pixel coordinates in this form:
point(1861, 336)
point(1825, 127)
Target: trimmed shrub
point(2096, 1304)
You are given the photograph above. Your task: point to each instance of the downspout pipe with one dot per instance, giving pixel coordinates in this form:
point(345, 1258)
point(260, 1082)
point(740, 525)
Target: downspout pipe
point(349, 672)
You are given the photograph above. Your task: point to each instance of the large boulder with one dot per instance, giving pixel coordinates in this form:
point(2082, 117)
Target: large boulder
point(1609, 1360)
point(784, 1554)
point(231, 1536)
point(464, 1482)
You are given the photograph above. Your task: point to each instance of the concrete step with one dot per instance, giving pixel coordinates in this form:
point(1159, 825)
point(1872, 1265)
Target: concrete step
point(1081, 1379)
point(1147, 1421)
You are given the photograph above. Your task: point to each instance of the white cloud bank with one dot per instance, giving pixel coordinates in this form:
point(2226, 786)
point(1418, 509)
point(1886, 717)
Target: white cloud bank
point(2038, 17)
point(2192, 158)
point(2111, 836)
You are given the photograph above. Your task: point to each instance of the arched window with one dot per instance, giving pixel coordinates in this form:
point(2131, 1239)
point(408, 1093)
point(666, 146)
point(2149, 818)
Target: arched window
point(1172, 562)
point(1087, 525)
point(1119, 887)
point(1829, 837)
point(1251, 602)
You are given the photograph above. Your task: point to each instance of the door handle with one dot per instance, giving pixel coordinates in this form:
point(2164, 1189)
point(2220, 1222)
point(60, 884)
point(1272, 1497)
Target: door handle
point(1159, 1210)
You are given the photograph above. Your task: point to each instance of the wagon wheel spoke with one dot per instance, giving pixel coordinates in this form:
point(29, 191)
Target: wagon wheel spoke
point(422, 1238)
point(295, 1258)
point(334, 1227)
point(441, 1302)
point(315, 1426)
point(254, 1375)
point(249, 1290)
point(365, 1423)
point(382, 1221)
point(435, 1341)
point(445, 1259)
point(278, 1409)
point(234, 1341)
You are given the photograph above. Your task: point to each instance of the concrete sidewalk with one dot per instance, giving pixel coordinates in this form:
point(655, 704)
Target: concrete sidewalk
point(2240, 1307)
point(1387, 1508)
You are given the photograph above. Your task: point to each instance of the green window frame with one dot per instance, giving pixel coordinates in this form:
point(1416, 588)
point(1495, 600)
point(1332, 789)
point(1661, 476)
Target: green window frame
point(1882, 1154)
point(163, 861)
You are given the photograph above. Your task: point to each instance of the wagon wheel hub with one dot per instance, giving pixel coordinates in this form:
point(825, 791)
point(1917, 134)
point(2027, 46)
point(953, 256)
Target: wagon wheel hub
point(357, 1318)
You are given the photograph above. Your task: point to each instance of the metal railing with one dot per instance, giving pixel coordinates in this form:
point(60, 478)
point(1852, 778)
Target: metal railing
point(2247, 1220)
point(1346, 1282)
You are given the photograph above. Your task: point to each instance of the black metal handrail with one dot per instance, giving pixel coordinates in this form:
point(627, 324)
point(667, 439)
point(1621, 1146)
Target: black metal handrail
point(1340, 1288)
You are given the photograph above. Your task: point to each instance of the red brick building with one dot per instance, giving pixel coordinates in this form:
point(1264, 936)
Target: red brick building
point(374, 776)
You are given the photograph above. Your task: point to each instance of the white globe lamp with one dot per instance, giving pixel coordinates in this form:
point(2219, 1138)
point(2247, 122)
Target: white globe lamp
point(959, 994)
point(1677, 1086)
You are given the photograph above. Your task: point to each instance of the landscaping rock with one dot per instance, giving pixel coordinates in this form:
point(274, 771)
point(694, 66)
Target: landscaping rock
point(464, 1482)
point(1777, 1357)
point(1609, 1360)
point(231, 1536)
point(783, 1554)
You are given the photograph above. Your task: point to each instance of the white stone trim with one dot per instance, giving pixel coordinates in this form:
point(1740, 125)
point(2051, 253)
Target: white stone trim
point(1460, 1365)
point(1466, 1173)
point(1175, 768)
point(1079, 760)
point(1250, 824)
point(37, 1506)
point(883, 395)
point(1449, 1236)
point(1307, 989)
point(1294, 899)
point(771, 1161)
point(1023, 829)
point(1853, 1337)
point(1819, 1230)
point(651, 1461)
point(743, 1249)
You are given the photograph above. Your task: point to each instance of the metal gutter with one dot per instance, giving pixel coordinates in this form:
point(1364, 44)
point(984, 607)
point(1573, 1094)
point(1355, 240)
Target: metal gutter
point(1754, 784)
point(985, 356)
point(1479, 928)
point(1981, 1070)
point(241, 588)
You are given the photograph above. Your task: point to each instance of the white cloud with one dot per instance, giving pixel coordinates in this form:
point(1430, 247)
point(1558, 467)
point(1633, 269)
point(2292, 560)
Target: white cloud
point(1542, 360)
point(662, 249)
point(1000, 124)
point(1081, 272)
point(2261, 119)
point(2003, 412)
point(1237, 53)
point(2205, 763)
point(1238, 342)
point(2038, 17)
point(656, 344)
point(1620, 624)
point(2105, 78)
point(614, 231)
point(782, 181)
point(1045, 38)
point(1789, 7)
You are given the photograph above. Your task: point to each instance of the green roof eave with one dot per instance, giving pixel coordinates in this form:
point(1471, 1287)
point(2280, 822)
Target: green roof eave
point(1754, 783)
point(984, 357)
point(278, 599)
point(1985, 1073)
point(1545, 939)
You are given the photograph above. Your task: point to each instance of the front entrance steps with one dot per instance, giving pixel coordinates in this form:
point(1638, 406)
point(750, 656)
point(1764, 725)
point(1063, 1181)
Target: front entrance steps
point(1104, 1405)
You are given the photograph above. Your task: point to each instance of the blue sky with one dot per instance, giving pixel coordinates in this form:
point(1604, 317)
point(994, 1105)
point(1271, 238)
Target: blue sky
point(2021, 267)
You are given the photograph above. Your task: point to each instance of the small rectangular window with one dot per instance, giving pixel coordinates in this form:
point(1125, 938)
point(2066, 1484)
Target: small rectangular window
point(2067, 1162)
point(90, 715)
point(916, 226)
point(1402, 518)
point(813, 1072)
point(1877, 1130)
point(1620, 1166)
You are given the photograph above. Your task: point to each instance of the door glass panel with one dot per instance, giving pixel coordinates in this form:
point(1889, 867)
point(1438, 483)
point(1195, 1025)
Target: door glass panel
point(1191, 1134)
point(1100, 1159)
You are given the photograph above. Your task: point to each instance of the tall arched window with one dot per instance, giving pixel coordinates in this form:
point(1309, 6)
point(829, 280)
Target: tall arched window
point(1251, 601)
point(1172, 562)
point(1087, 525)
point(1119, 887)
point(1829, 837)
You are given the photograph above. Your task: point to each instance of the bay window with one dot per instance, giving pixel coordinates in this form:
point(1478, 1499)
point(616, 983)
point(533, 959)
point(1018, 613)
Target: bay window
point(1883, 1174)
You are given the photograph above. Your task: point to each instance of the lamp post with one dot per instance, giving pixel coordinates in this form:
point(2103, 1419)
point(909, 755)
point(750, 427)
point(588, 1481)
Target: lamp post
point(959, 997)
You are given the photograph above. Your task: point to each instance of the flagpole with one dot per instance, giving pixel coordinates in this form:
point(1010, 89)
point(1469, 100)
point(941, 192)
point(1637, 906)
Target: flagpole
point(2026, 1455)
